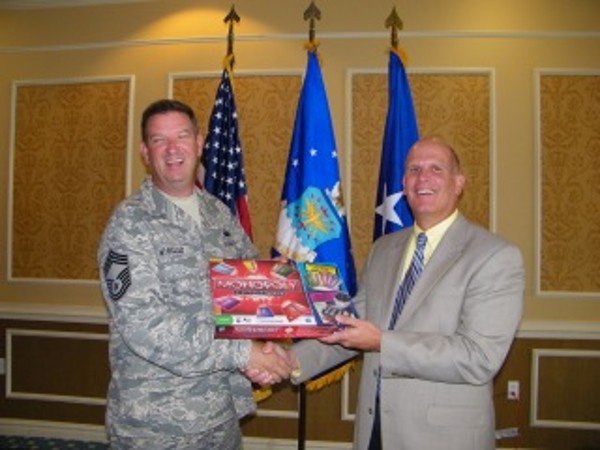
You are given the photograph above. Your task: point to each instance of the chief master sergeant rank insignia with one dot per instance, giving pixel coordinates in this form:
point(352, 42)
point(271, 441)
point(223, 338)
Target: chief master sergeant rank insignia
point(116, 274)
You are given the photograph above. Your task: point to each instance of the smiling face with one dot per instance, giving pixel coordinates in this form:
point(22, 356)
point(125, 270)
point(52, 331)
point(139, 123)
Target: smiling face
point(432, 181)
point(171, 149)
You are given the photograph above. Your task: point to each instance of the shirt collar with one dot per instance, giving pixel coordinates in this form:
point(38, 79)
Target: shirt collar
point(435, 233)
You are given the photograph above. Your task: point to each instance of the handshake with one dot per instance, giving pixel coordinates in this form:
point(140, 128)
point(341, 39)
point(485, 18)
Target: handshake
point(270, 363)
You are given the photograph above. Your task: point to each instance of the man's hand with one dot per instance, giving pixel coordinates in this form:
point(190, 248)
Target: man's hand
point(269, 364)
point(355, 333)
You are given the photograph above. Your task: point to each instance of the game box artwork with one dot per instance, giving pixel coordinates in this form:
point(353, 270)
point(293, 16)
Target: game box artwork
point(270, 299)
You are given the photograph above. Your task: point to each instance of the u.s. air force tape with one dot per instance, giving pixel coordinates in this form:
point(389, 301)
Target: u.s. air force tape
point(116, 274)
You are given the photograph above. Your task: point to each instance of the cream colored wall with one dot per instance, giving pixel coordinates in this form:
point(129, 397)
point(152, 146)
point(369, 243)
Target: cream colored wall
point(151, 40)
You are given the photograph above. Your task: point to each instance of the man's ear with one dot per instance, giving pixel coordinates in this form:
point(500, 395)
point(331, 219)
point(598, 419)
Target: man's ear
point(200, 143)
point(144, 152)
point(460, 184)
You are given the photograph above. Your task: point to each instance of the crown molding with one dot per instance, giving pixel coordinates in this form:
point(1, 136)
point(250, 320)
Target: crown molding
point(47, 4)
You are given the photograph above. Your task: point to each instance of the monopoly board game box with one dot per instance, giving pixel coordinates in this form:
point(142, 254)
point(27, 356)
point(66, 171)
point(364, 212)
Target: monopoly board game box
point(271, 299)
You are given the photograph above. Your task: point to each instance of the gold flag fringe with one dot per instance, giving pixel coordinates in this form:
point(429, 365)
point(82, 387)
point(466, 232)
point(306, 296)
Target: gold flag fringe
point(312, 46)
point(401, 54)
point(262, 393)
point(228, 66)
point(331, 377)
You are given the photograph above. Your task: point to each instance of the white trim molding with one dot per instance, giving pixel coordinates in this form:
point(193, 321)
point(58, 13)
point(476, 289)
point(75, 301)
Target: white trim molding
point(538, 212)
point(56, 430)
point(535, 394)
point(130, 80)
point(10, 393)
point(96, 433)
point(252, 443)
point(324, 36)
point(53, 313)
point(548, 329)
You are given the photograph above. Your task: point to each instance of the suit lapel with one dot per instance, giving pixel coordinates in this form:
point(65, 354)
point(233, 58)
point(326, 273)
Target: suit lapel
point(447, 252)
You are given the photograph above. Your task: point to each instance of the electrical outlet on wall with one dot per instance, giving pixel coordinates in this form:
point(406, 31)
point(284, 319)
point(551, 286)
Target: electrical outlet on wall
point(513, 390)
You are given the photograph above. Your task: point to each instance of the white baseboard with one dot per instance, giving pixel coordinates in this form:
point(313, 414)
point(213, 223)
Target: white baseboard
point(252, 443)
point(56, 430)
point(96, 433)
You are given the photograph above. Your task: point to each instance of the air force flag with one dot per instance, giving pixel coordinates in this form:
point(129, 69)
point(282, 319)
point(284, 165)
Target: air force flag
point(312, 222)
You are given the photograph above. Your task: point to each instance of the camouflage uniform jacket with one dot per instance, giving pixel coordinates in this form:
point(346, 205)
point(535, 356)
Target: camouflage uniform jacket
point(169, 376)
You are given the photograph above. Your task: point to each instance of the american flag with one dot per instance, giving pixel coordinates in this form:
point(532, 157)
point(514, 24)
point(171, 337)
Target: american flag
point(222, 157)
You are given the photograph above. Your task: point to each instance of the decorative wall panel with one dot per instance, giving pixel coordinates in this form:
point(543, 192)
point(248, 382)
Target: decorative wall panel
point(454, 106)
point(68, 173)
point(56, 372)
point(570, 183)
point(57, 366)
point(565, 389)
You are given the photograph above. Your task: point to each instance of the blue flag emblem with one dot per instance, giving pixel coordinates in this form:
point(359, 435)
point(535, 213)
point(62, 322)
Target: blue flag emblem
point(313, 218)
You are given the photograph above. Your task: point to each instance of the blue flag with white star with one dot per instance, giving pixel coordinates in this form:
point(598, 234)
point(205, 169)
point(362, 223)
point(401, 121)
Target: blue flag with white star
point(392, 211)
point(222, 157)
point(312, 222)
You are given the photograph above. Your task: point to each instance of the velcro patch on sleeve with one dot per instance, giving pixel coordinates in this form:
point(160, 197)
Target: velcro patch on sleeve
point(116, 275)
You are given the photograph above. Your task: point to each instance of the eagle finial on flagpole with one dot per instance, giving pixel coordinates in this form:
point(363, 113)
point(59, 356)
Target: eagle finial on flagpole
point(231, 18)
point(395, 23)
point(311, 14)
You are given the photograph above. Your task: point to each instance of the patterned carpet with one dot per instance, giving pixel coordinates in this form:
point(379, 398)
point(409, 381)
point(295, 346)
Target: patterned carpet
point(34, 443)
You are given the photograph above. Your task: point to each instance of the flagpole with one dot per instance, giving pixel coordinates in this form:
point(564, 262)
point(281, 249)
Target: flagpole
point(312, 13)
point(222, 171)
point(231, 18)
point(394, 22)
point(302, 417)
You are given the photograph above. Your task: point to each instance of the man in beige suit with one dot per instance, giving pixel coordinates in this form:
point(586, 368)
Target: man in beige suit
point(432, 370)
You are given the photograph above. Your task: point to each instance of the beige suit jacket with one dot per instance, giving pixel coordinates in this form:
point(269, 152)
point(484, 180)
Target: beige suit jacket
point(438, 364)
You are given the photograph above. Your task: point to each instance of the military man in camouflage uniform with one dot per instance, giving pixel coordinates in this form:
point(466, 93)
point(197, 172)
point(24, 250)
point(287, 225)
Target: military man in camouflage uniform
point(173, 386)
